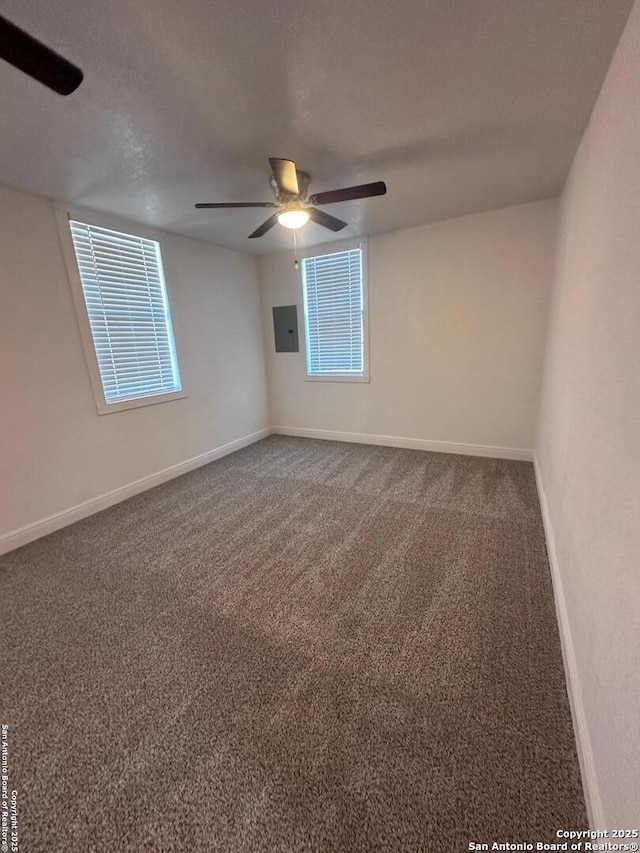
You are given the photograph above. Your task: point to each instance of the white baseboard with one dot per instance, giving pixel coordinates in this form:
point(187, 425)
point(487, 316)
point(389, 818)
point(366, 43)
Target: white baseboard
point(583, 740)
point(24, 535)
point(409, 443)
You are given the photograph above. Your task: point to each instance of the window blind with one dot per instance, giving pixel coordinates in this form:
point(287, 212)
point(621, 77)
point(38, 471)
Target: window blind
point(124, 292)
point(332, 286)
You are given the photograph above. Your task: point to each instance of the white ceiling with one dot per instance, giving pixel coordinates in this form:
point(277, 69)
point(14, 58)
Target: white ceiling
point(459, 105)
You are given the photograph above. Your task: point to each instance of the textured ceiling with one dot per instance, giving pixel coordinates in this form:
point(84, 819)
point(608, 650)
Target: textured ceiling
point(459, 105)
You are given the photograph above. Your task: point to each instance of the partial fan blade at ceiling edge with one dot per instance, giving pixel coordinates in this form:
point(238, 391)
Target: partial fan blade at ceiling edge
point(38, 61)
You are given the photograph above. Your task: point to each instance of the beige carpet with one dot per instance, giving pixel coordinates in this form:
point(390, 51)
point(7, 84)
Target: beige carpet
point(306, 646)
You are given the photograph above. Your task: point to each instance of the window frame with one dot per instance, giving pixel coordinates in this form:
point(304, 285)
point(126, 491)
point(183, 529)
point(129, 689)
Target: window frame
point(334, 249)
point(65, 213)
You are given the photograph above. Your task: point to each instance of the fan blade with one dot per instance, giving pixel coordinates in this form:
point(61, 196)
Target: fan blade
point(266, 226)
point(284, 171)
point(349, 193)
point(224, 204)
point(324, 219)
point(37, 60)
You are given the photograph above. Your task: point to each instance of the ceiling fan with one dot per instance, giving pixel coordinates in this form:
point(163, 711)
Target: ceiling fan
point(37, 60)
point(294, 207)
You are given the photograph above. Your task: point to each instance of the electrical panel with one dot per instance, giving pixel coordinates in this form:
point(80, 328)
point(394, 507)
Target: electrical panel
point(285, 328)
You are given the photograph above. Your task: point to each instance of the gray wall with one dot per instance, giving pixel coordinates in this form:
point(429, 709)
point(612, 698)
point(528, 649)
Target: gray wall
point(55, 450)
point(588, 445)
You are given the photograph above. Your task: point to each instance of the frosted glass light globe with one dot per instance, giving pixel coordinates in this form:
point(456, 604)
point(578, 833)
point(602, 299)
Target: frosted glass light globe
point(293, 218)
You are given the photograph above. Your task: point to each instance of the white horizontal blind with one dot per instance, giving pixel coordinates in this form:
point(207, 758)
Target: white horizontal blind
point(124, 291)
point(332, 287)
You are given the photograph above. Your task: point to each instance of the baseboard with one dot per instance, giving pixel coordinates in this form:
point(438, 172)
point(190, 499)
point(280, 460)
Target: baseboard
point(583, 740)
point(409, 443)
point(24, 535)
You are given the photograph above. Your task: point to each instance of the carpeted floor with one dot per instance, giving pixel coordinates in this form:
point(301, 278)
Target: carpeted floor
point(305, 646)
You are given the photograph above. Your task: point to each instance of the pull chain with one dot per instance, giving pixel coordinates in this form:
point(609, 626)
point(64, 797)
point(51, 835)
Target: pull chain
point(296, 265)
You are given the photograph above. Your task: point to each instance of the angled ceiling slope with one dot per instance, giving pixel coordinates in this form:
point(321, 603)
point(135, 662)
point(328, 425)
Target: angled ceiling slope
point(458, 107)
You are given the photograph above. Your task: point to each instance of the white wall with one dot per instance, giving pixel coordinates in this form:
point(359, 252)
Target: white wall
point(55, 450)
point(458, 314)
point(588, 445)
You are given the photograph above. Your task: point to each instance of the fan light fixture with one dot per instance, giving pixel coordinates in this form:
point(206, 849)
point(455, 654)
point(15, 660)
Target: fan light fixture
point(292, 207)
point(293, 218)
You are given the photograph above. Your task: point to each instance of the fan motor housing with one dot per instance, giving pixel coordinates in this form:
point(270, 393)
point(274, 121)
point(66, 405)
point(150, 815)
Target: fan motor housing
point(303, 186)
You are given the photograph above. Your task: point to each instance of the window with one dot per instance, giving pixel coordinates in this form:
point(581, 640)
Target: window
point(334, 315)
point(128, 311)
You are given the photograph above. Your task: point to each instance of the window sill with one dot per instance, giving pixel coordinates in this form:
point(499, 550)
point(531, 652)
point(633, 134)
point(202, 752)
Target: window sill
point(138, 402)
point(330, 377)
